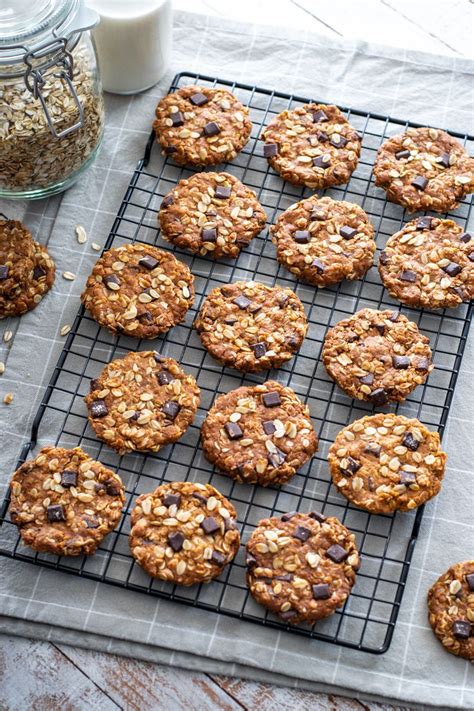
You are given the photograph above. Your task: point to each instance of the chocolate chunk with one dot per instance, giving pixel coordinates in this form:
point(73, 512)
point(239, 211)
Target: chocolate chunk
point(373, 449)
point(321, 591)
point(276, 458)
point(268, 427)
point(38, 273)
point(367, 379)
point(471, 257)
point(322, 136)
point(250, 561)
point(288, 615)
point(370, 483)
point(169, 150)
point(94, 384)
point(444, 160)
point(223, 192)
point(271, 399)
point(218, 558)
point(347, 232)
point(379, 396)
point(165, 377)
point(424, 223)
point(230, 320)
point(171, 409)
point(338, 141)
point(288, 516)
point(98, 409)
point(177, 118)
point(380, 328)
point(422, 363)
point(259, 349)
point(230, 524)
point(452, 269)
point(336, 553)
point(112, 487)
point(68, 478)
point(167, 201)
point(384, 258)
point(91, 522)
point(282, 299)
point(158, 357)
point(318, 214)
point(401, 362)
point(461, 629)
point(317, 516)
point(402, 154)
point(393, 316)
point(470, 581)
point(210, 525)
point(352, 467)
point(420, 182)
point(55, 513)
point(111, 280)
point(209, 234)
point(465, 237)
point(302, 236)
point(3, 272)
point(176, 540)
point(287, 578)
point(172, 499)
point(323, 161)
point(319, 116)
point(148, 262)
point(241, 301)
point(317, 263)
point(409, 441)
point(270, 150)
point(198, 99)
point(134, 417)
point(407, 478)
point(301, 533)
point(145, 317)
point(233, 431)
point(200, 497)
point(211, 129)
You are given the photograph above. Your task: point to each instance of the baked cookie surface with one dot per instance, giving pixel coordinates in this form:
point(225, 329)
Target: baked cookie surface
point(142, 402)
point(250, 326)
point(429, 264)
point(138, 290)
point(424, 169)
point(324, 241)
point(211, 213)
point(259, 434)
point(384, 463)
point(301, 566)
point(312, 145)
point(451, 609)
point(201, 126)
point(64, 502)
point(184, 533)
point(378, 356)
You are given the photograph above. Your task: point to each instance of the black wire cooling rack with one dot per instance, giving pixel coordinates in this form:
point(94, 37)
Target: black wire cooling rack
point(386, 542)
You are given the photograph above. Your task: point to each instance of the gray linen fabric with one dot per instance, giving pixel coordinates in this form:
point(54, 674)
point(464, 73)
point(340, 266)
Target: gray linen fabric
point(51, 605)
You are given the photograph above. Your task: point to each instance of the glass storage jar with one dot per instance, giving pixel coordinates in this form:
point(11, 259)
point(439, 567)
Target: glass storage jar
point(51, 104)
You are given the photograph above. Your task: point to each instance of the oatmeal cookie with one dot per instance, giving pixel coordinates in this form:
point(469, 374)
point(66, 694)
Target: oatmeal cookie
point(451, 609)
point(429, 264)
point(142, 402)
point(138, 290)
point(211, 213)
point(385, 462)
point(259, 434)
point(313, 145)
point(379, 356)
point(196, 125)
point(424, 169)
point(184, 533)
point(64, 502)
point(250, 326)
point(26, 295)
point(301, 566)
point(324, 241)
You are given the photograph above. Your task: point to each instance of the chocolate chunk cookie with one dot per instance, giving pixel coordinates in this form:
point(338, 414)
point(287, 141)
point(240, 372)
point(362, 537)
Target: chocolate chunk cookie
point(142, 402)
point(250, 326)
point(429, 264)
point(386, 463)
point(424, 169)
point(301, 566)
point(201, 126)
point(184, 532)
point(313, 145)
point(451, 609)
point(211, 213)
point(259, 434)
point(64, 502)
point(379, 356)
point(324, 241)
point(138, 290)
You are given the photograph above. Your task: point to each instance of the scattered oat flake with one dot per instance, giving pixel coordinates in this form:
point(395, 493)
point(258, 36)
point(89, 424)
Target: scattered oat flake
point(8, 399)
point(7, 336)
point(81, 234)
point(69, 276)
point(96, 246)
point(2, 368)
point(65, 330)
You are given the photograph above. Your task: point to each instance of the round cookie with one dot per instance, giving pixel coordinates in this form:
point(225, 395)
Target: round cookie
point(378, 356)
point(451, 609)
point(211, 213)
point(259, 434)
point(184, 533)
point(197, 125)
point(324, 241)
point(250, 326)
point(138, 290)
point(16, 256)
point(28, 294)
point(429, 264)
point(313, 145)
point(385, 462)
point(301, 566)
point(64, 502)
point(142, 402)
point(424, 169)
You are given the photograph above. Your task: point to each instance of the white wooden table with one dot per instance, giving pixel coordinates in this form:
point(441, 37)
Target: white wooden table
point(48, 677)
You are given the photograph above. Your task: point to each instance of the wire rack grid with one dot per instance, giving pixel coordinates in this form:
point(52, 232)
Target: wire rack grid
point(368, 618)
